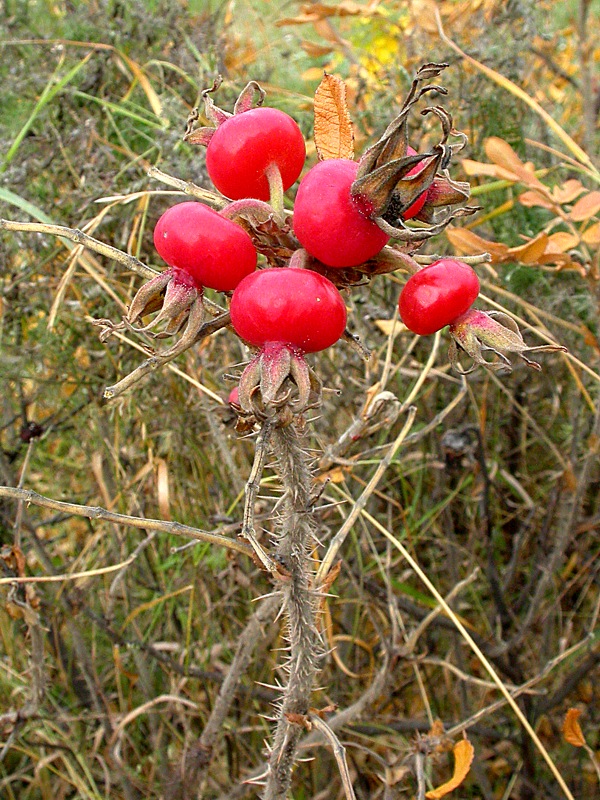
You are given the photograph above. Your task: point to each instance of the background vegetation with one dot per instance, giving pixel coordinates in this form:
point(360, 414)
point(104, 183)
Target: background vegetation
point(107, 680)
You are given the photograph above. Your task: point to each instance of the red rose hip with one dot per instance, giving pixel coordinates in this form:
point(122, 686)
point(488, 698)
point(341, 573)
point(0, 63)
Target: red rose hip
point(211, 249)
point(293, 306)
point(329, 223)
point(437, 295)
point(245, 145)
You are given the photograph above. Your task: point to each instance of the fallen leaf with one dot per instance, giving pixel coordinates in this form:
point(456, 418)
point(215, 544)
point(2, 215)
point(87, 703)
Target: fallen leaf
point(571, 728)
point(463, 758)
point(334, 137)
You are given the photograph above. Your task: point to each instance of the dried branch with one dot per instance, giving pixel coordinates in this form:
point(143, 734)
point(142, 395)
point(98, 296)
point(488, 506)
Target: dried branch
point(79, 237)
point(95, 512)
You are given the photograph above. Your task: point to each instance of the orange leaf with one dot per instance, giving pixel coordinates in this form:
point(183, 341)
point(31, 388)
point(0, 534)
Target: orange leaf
point(463, 757)
point(162, 486)
point(534, 198)
point(529, 252)
point(468, 243)
point(479, 168)
point(571, 729)
point(334, 137)
point(561, 241)
point(502, 154)
point(586, 207)
point(568, 191)
point(592, 235)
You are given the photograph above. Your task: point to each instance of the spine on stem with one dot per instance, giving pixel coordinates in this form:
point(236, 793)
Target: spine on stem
point(295, 538)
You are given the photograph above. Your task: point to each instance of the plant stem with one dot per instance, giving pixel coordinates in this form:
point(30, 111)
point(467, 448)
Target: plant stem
point(295, 535)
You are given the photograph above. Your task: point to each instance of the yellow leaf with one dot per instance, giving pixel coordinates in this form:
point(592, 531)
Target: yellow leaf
point(571, 728)
point(463, 757)
point(334, 137)
point(388, 326)
point(147, 87)
point(592, 235)
point(586, 207)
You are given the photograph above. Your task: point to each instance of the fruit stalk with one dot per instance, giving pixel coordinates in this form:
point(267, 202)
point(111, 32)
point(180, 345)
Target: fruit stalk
point(295, 537)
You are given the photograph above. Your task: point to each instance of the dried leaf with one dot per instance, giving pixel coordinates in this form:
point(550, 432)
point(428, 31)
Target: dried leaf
point(569, 190)
point(388, 326)
point(533, 199)
point(530, 252)
point(561, 241)
point(479, 168)
point(586, 207)
point(463, 757)
point(468, 243)
point(571, 728)
point(314, 12)
point(314, 49)
point(502, 154)
point(147, 87)
point(592, 235)
point(334, 137)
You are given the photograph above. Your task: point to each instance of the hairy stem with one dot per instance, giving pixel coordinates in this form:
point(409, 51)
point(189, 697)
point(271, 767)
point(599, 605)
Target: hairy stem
point(295, 537)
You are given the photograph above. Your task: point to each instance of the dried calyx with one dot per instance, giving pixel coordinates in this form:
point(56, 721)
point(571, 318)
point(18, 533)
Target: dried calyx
point(477, 332)
point(278, 384)
point(385, 189)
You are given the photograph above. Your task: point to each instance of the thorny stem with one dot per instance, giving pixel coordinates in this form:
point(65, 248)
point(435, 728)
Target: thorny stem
point(295, 535)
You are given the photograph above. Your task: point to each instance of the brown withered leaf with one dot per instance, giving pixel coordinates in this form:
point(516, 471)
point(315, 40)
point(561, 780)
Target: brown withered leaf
point(571, 728)
point(334, 137)
point(463, 757)
point(315, 50)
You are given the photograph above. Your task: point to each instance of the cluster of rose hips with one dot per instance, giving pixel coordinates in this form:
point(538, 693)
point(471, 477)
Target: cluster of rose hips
point(345, 213)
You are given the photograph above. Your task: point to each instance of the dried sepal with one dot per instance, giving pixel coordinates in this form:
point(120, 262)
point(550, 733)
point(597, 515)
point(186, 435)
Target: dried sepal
point(149, 297)
point(278, 383)
point(217, 116)
point(383, 185)
point(477, 332)
point(270, 235)
point(174, 292)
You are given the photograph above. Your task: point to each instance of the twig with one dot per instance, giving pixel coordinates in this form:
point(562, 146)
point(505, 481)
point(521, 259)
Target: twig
point(187, 187)
point(340, 537)
point(246, 645)
point(79, 237)
point(157, 361)
point(339, 752)
point(95, 512)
